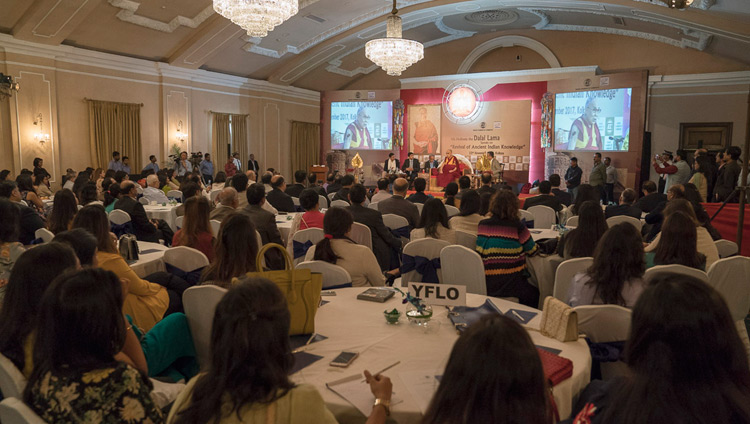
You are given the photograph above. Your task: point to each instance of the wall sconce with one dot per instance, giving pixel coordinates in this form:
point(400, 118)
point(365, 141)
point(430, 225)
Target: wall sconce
point(40, 136)
point(182, 136)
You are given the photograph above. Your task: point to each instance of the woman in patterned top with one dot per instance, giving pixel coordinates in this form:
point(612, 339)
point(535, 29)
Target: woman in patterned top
point(76, 377)
point(503, 242)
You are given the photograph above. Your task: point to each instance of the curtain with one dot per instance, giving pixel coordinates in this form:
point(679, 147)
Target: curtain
point(305, 145)
point(114, 127)
point(239, 138)
point(220, 139)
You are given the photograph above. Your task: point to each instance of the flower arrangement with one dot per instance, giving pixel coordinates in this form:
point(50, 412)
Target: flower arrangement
point(415, 301)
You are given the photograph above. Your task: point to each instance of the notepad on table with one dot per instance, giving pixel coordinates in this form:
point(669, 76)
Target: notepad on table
point(376, 295)
point(357, 392)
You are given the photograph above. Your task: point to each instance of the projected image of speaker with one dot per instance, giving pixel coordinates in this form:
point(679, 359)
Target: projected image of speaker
point(361, 125)
point(597, 120)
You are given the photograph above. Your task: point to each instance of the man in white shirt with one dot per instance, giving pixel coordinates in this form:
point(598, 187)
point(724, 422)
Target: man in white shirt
point(70, 177)
point(609, 186)
point(237, 161)
point(382, 193)
point(152, 193)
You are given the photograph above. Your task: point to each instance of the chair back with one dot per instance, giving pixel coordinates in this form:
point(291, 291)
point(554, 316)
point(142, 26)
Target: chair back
point(178, 221)
point(138, 188)
point(119, 217)
point(175, 194)
point(564, 276)
point(12, 381)
point(674, 269)
point(215, 226)
point(452, 210)
point(334, 276)
point(295, 201)
point(528, 216)
point(726, 248)
point(339, 203)
point(604, 323)
point(730, 277)
point(373, 205)
point(185, 258)
point(200, 304)
point(213, 195)
point(614, 220)
point(467, 240)
point(420, 206)
point(330, 195)
point(464, 266)
point(393, 221)
point(322, 202)
point(544, 216)
point(428, 248)
point(572, 221)
point(303, 240)
point(361, 234)
point(44, 234)
point(143, 201)
point(14, 411)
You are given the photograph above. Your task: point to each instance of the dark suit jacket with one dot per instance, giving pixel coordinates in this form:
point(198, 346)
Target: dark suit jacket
point(563, 196)
point(486, 189)
point(332, 188)
point(397, 205)
point(295, 190)
point(543, 200)
point(418, 197)
point(30, 222)
point(252, 165)
point(383, 241)
point(143, 228)
point(411, 163)
point(342, 194)
point(265, 224)
point(617, 210)
point(385, 165)
point(280, 200)
point(649, 202)
point(427, 166)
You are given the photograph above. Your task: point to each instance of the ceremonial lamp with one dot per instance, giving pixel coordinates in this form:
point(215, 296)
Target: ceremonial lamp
point(357, 166)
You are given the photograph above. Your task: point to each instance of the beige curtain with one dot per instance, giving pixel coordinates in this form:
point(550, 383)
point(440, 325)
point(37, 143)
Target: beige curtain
point(239, 138)
point(220, 139)
point(305, 145)
point(114, 127)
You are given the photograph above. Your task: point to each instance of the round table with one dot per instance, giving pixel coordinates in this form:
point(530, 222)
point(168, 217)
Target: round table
point(284, 223)
point(359, 326)
point(150, 259)
point(167, 213)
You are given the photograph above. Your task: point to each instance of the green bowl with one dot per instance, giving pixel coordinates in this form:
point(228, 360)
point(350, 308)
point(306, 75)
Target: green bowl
point(392, 317)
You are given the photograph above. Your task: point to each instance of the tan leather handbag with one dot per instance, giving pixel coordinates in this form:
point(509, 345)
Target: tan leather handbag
point(559, 320)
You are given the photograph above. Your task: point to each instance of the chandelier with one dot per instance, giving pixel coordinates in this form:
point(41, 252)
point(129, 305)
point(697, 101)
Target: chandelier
point(679, 4)
point(7, 86)
point(393, 53)
point(257, 17)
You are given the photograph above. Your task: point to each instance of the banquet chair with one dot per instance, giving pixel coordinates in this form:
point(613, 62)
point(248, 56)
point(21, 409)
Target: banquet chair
point(330, 195)
point(572, 221)
point(339, 203)
point(544, 216)
point(138, 188)
point(302, 241)
point(143, 201)
point(467, 240)
point(14, 411)
point(295, 201)
point(674, 269)
point(178, 221)
point(215, 226)
point(726, 248)
point(361, 234)
point(373, 205)
point(44, 234)
point(175, 194)
point(12, 381)
point(214, 195)
point(200, 304)
point(729, 276)
point(528, 216)
point(185, 262)
point(419, 207)
point(605, 324)
point(334, 276)
point(322, 202)
point(463, 266)
point(614, 220)
point(564, 276)
point(398, 225)
point(118, 217)
point(428, 248)
point(452, 210)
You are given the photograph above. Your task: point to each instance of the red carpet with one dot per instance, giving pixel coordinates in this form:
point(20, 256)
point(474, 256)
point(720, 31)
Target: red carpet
point(726, 223)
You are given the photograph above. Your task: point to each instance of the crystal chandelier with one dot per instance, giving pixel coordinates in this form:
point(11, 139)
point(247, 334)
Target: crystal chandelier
point(257, 17)
point(393, 53)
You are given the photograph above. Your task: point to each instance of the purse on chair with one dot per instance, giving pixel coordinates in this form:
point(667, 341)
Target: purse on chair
point(128, 248)
point(559, 320)
point(300, 286)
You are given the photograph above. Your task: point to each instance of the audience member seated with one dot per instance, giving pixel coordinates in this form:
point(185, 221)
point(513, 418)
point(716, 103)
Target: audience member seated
point(705, 243)
point(88, 195)
point(143, 228)
point(64, 208)
point(627, 198)
point(82, 179)
point(677, 244)
point(277, 198)
point(30, 219)
point(563, 196)
point(470, 391)
point(581, 241)
point(692, 196)
point(398, 205)
point(10, 248)
point(504, 242)
point(120, 176)
point(486, 184)
point(484, 203)
point(655, 218)
point(464, 185)
point(334, 183)
point(196, 229)
point(70, 177)
point(346, 184)
point(312, 218)
point(584, 193)
point(153, 193)
point(188, 189)
point(171, 181)
point(686, 363)
point(384, 244)
point(79, 333)
point(299, 184)
point(28, 194)
point(32, 274)
point(312, 182)
point(265, 223)
point(228, 203)
point(247, 379)
point(651, 197)
point(240, 183)
point(382, 193)
point(616, 277)
point(468, 218)
point(450, 194)
point(434, 223)
point(83, 244)
point(420, 184)
point(41, 185)
point(339, 249)
point(111, 196)
point(236, 251)
point(219, 182)
point(4, 175)
point(544, 198)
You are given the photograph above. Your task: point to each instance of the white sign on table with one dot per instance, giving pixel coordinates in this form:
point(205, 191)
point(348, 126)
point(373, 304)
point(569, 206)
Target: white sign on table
point(439, 294)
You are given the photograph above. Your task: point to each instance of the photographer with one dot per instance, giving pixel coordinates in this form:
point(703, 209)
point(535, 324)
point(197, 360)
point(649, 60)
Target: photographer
point(182, 166)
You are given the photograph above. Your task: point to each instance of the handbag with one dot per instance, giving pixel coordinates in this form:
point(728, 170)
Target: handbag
point(128, 246)
point(559, 320)
point(301, 287)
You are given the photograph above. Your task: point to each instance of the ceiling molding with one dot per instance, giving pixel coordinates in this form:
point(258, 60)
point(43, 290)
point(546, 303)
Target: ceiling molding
point(699, 80)
point(508, 41)
point(697, 4)
point(51, 21)
point(129, 7)
point(525, 74)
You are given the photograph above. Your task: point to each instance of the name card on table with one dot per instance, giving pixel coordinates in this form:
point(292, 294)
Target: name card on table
point(439, 294)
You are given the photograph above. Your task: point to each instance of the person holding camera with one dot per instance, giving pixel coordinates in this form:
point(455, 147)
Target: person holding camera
point(182, 165)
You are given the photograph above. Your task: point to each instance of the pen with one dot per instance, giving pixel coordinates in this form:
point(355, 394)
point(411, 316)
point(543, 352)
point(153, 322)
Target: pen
point(517, 315)
point(311, 338)
point(384, 369)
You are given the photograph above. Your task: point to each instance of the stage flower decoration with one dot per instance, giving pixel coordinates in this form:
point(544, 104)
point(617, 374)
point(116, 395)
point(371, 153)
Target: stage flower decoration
point(398, 123)
point(548, 108)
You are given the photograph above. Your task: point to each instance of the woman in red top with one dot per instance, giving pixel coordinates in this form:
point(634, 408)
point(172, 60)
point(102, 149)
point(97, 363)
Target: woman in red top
point(312, 218)
point(196, 227)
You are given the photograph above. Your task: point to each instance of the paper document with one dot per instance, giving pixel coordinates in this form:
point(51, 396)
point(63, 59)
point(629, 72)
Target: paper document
point(358, 393)
point(422, 385)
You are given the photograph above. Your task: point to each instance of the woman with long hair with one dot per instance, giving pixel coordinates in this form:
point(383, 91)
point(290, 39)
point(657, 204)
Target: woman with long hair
point(10, 248)
point(485, 200)
point(704, 242)
point(64, 209)
point(88, 194)
point(236, 247)
point(504, 242)
point(76, 377)
point(702, 176)
point(82, 179)
point(694, 197)
point(580, 242)
point(678, 243)
point(616, 276)
point(434, 223)
point(450, 192)
point(41, 185)
point(339, 249)
point(247, 379)
point(685, 359)
point(28, 193)
point(219, 181)
point(196, 227)
point(111, 195)
point(473, 391)
point(468, 218)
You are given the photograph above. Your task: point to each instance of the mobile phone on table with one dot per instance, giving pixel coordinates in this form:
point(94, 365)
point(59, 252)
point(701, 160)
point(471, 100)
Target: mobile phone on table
point(344, 359)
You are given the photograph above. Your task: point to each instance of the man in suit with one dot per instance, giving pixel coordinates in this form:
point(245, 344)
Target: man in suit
point(398, 205)
point(651, 197)
point(277, 198)
point(563, 196)
point(228, 203)
point(391, 165)
point(431, 164)
point(334, 183)
point(486, 184)
point(495, 166)
point(419, 197)
point(627, 198)
point(312, 182)
point(411, 167)
point(544, 198)
point(346, 184)
point(299, 184)
point(265, 223)
point(384, 244)
point(144, 229)
point(252, 165)
point(30, 219)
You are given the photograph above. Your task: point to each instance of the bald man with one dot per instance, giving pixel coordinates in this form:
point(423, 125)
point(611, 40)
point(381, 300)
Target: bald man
point(398, 205)
point(277, 198)
point(228, 202)
point(251, 175)
point(152, 193)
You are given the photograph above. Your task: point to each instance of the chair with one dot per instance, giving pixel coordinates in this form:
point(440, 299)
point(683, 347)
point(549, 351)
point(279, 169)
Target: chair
point(463, 266)
point(322, 202)
point(330, 195)
point(12, 381)
point(419, 207)
point(175, 194)
point(185, 262)
point(118, 217)
point(14, 411)
point(729, 276)
point(528, 216)
point(138, 188)
point(674, 269)
point(564, 276)
point(200, 304)
point(726, 248)
point(605, 324)
point(214, 195)
point(339, 203)
point(295, 201)
point(334, 276)
point(302, 241)
point(614, 220)
point(427, 248)
point(361, 234)
point(44, 234)
point(452, 210)
point(572, 221)
point(544, 216)
point(143, 201)
point(398, 225)
point(373, 205)
point(178, 221)
point(215, 226)
point(467, 240)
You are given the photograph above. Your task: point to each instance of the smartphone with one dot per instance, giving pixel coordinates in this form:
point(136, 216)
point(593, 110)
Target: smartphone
point(344, 359)
point(328, 293)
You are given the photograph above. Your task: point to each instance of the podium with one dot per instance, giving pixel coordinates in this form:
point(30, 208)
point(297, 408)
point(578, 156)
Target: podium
point(320, 172)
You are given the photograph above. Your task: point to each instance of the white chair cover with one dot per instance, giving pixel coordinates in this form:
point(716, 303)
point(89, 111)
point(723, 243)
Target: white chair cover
point(330, 195)
point(427, 247)
point(118, 217)
point(419, 207)
point(185, 258)
point(215, 226)
point(614, 220)
point(394, 221)
point(528, 216)
point(572, 221)
point(361, 234)
point(731, 278)
point(452, 210)
point(138, 188)
point(295, 201)
point(322, 202)
point(213, 195)
point(178, 221)
point(14, 411)
point(675, 269)
point(339, 203)
point(175, 194)
point(143, 201)
point(726, 248)
point(464, 266)
point(333, 275)
point(44, 234)
point(200, 304)
point(602, 324)
point(467, 240)
point(313, 235)
point(564, 276)
point(12, 381)
point(544, 216)
point(373, 205)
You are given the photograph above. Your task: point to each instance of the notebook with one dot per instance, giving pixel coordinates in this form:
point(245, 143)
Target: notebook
point(376, 295)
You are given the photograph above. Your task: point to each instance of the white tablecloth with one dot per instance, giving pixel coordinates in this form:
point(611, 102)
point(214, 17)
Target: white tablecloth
point(149, 259)
point(355, 325)
point(167, 213)
point(284, 222)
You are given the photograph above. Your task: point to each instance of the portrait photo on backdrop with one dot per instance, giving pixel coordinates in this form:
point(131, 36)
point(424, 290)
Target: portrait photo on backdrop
point(424, 129)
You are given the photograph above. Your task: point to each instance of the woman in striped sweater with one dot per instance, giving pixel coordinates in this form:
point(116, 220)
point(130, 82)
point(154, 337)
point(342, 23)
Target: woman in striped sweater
point(503, 242)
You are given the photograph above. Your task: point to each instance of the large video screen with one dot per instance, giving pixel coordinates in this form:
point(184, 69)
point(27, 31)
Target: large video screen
point(362, 125)
point(593, 120)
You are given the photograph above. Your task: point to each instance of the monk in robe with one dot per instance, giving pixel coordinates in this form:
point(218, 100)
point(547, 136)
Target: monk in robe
point(449, 170)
